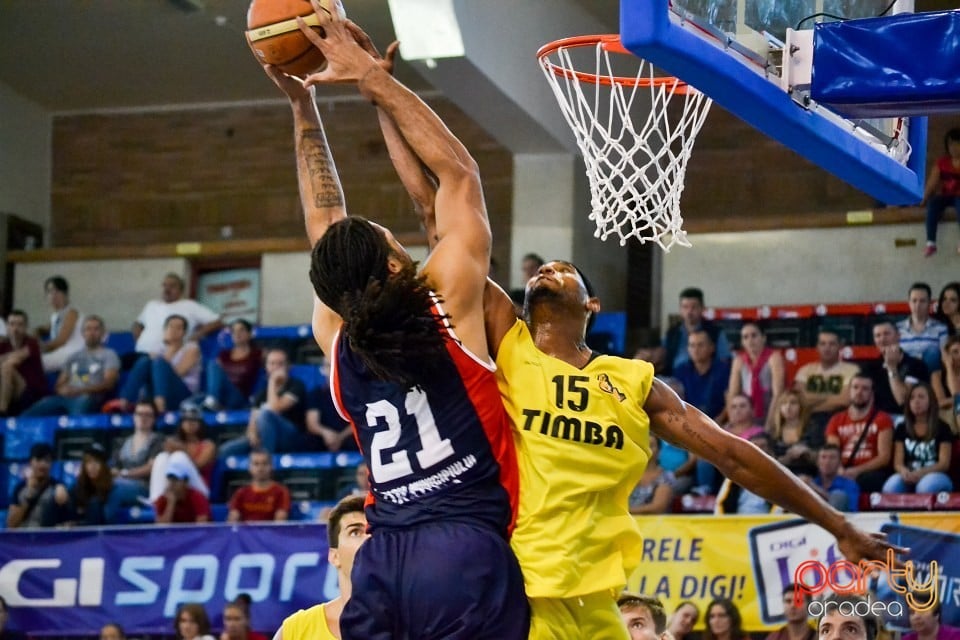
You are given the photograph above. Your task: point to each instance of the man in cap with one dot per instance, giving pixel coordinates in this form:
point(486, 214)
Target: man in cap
point(181, 502)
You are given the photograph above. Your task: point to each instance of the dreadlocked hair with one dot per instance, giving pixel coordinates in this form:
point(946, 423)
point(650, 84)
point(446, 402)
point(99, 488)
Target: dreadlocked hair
point(388, 319)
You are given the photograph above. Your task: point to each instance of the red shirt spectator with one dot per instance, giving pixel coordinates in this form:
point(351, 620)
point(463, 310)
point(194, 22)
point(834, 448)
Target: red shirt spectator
point(25, 352)
point(180, 502)
point(261, 505)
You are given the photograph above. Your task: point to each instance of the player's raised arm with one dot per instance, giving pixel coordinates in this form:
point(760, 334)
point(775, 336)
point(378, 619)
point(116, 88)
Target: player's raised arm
point(320, 192)
point(460, 211)
point(741, 461)
point(416, 178)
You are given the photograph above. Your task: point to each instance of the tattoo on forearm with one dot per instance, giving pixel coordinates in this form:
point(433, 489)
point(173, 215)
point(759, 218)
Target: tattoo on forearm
point(319, 166)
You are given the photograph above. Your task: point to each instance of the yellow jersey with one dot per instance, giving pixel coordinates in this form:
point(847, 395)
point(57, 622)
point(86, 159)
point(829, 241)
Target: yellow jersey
point(307, 624)
point(582, 440)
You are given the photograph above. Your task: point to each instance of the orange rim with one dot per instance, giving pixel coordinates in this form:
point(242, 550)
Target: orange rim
point(610, 43)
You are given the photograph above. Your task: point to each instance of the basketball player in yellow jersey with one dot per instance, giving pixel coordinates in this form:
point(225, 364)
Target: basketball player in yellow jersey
point(346, 531)
point(582, 424)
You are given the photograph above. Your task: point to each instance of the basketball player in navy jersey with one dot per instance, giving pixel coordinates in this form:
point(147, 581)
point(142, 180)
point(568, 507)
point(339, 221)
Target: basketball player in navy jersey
point(409, 369)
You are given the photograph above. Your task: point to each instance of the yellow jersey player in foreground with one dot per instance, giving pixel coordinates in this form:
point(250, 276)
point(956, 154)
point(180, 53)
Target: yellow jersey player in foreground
point(581, 424)
point(346, 531)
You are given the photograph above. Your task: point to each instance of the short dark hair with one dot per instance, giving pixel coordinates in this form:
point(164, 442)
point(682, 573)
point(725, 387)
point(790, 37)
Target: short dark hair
point(692, 292)
point(41, 451)
point(701, 330)
point(651, 604)
point(864, 376)
point(831, 446)
point(179, 280)
point(21, 313)
point(244, 323)
point(953, 135)
point(59, 283)
point(350, 504)
point(535, 257)
point(176, 316)
point(921, 286)
point(870, 622)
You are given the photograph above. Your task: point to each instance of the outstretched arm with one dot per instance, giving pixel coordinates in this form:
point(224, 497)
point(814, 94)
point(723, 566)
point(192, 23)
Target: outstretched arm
point(745, 464)
point(416, 178)
point(320, 192)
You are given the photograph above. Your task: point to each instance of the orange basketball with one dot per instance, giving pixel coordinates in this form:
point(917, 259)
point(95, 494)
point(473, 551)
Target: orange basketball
point(276, 39)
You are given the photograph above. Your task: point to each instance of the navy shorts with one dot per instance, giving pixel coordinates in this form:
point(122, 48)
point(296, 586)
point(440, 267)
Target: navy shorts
point(443, 580)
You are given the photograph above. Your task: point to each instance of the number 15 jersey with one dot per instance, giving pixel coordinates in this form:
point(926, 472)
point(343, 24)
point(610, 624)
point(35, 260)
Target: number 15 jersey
point(440, 451)
point(582, 445)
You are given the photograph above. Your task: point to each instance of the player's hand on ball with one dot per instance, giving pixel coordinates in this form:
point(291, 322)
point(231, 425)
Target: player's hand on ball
point(346, 60)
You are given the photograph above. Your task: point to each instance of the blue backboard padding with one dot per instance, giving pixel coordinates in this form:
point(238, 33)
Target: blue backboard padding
point(908, 64)
point(647, 31)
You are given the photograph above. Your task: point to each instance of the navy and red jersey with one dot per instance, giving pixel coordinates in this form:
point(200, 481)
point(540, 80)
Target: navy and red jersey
point(442, 450)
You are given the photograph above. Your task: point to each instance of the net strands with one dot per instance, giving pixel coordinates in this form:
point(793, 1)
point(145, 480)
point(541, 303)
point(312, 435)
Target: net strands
point(636, 173)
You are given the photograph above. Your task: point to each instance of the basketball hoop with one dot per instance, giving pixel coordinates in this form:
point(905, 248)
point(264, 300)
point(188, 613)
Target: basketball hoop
point(635, 170)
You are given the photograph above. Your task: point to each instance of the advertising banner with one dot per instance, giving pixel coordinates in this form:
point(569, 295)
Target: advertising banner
point(77, 580)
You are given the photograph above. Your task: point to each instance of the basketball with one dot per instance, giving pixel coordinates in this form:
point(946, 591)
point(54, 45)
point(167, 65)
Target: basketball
point(276, 39)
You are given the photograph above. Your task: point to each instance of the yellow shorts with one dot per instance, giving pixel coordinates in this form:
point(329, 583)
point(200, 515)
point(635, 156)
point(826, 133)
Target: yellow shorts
point(594, 616)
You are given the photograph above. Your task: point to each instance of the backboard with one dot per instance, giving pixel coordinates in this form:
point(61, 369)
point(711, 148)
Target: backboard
point(754, 58)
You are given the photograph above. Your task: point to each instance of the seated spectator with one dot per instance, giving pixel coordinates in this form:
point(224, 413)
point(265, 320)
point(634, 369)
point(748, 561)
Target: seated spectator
point(236, 621)
point(277, 420)
point(643, 616)
point(732, 498)
point(63, 334)
point(94, 499)
point(112, 631)
point(529, 265)
point(675, 350)
point(232, 376)
point(189, 447)
point(922, 446)
point(325, 422)
point(86, 378)
point(948, 307)
point(842, 493)
point(38, 500)
point(724, 621)
point(942, 189)
point(191, 622)
point(704, 376)
point(148, 329)
point(798, 626)
point(684, 619)
point(794, 443)
point(741, 423)
point(361, 485)
point(181, 503)
point(654, 492)
point(168, 376)
point(22, 381)
point(928, 625)
point(893, 371)
point(864, 434)
point(825, 384)
point(133, 461)
point(757, 371)
point(263, 500)
point(920, 335)
point(950, 378)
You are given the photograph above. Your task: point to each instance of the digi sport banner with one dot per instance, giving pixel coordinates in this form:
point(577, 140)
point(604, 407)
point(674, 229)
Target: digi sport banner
point(77, 580)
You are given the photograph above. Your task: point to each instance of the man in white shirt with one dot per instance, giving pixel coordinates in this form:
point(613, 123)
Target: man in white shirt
point(148, 328)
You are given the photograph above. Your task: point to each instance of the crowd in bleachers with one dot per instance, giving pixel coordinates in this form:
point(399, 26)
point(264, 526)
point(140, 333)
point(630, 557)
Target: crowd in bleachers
point(865, 426)
point(172, 411)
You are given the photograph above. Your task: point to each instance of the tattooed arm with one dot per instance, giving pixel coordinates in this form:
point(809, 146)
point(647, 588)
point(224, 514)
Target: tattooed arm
point(685, 426)
point(320, 192)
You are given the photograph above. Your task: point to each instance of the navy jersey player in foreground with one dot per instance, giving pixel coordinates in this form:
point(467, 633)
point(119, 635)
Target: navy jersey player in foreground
point(410, 371)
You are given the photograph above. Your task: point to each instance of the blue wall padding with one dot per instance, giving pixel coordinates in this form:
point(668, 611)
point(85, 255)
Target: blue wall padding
point(903, 65)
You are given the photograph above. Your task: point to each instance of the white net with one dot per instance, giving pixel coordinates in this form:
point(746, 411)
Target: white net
point(635, 162)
